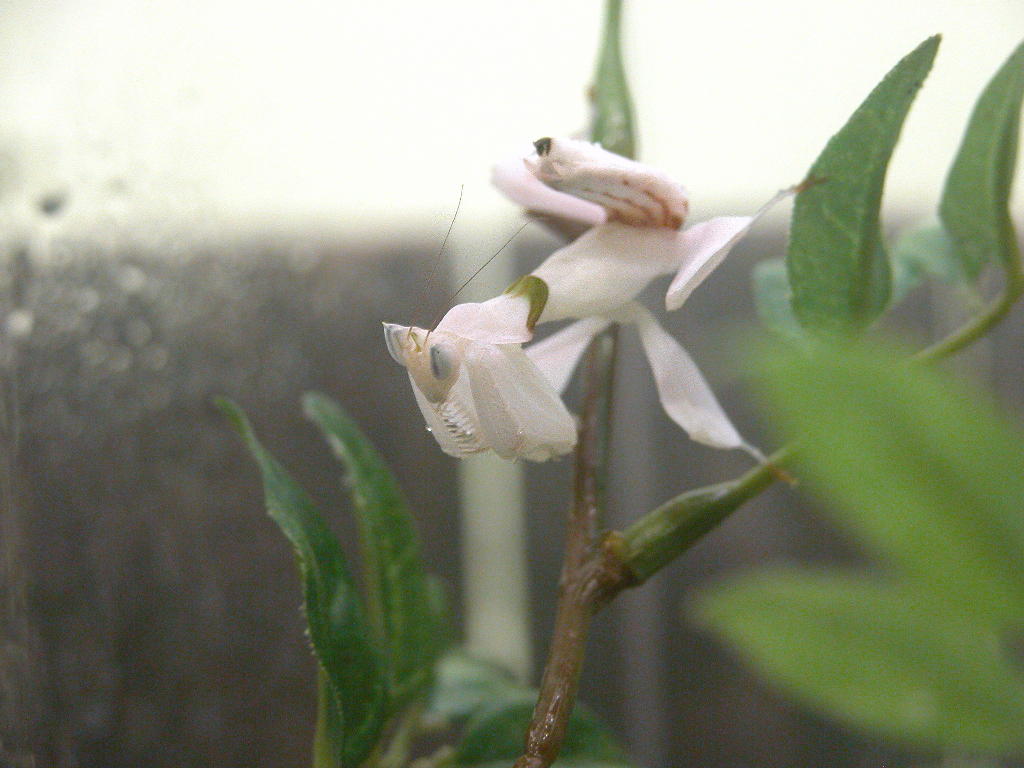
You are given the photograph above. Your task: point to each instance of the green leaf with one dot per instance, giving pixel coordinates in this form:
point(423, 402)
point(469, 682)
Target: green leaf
point(612, 121)
point(341, 638)
point(465, 684)
point(926, 473)
point(922, 252)
point(772, 297)
point(975, 201)
point(838, 272)
point(886, 659)
point(330, 724)
point(496, 733)
point(396, 579)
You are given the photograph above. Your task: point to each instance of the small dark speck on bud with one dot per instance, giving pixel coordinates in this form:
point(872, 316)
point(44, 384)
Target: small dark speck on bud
point(52, 203)
point(543, 146)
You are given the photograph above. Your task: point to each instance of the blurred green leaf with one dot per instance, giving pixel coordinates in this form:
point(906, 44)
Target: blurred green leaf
point(396, 579)
point(341, 638)
point(922, 252)
point(612, 119)
point(440, 615)
point(496, 733)
point(772, 298)
point(837, 269)
point(887, 659)
point(330, 724)
point(923, 471)
point(975, 199)
point(464, 684)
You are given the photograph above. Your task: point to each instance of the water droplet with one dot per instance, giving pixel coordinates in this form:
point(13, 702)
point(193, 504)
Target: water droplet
point(131, 278)
point(88, 299)
point(53, 202)
point(19, 323)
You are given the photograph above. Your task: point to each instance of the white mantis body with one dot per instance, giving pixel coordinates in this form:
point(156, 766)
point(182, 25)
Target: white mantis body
point(479, 390)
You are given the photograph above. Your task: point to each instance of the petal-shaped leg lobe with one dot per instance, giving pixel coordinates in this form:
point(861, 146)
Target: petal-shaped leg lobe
point(558, 355)
point(684, 394)
point(706, 245)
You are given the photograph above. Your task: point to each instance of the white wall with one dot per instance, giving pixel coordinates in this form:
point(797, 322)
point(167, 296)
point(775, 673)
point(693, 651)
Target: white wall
point(373, 113)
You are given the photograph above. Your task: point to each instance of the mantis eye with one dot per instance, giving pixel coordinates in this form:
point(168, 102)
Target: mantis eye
point(543, 146)
point(392, 337)
point(442, 362)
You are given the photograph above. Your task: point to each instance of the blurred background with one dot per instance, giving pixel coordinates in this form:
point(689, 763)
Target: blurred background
point(218, 197)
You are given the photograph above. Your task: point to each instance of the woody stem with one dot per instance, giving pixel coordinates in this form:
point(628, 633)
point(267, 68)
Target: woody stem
point(584, 582)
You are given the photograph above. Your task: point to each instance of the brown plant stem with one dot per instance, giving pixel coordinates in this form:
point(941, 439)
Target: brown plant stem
point(591, 571)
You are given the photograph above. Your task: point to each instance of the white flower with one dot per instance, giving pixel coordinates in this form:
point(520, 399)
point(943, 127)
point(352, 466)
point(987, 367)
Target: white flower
point(492, 394)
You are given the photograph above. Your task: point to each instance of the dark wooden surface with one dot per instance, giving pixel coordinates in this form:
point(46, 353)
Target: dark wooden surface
point(150, 607)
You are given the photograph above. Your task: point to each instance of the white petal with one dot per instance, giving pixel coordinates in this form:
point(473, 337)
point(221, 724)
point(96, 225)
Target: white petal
point(453, 421)
point(501, 320)
point(631, 192)
point(520, 415)
point(558, 355)
point(513, 179)
point(705, 247)
point(684, 394)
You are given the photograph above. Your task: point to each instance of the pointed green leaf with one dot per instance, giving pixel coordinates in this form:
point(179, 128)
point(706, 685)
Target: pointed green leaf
point(496, 733)
point(396, 579)
point(975, 201)
point(328, 738)
point(341, 638)
point(885, 659)
point(612, 121)
point(772, 298)
point(838, 272)
point(926, 473)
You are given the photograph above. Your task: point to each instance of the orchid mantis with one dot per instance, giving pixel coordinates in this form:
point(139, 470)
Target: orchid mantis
point(480, 390)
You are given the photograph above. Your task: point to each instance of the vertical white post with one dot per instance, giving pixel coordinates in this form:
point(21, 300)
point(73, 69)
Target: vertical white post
point(493, 529)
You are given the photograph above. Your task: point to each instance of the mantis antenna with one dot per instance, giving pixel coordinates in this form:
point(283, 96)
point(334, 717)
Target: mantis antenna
point(437, 259)
point(481, 269)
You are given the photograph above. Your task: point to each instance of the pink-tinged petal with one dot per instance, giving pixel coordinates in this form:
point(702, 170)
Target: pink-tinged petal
point(501, 320)
point(558, 355)
point(519, 414)
point(706, 245)
point(515, 181)
point(631, 192)
point(684, 394)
